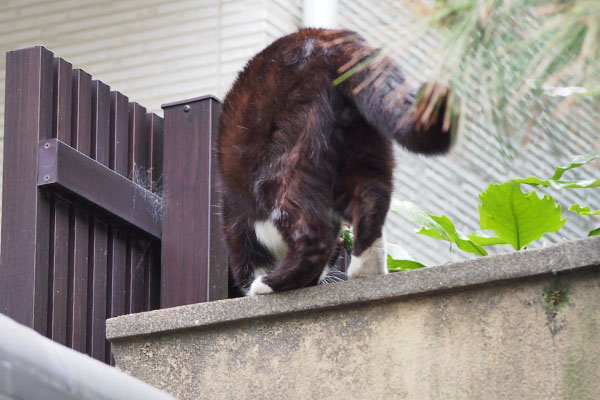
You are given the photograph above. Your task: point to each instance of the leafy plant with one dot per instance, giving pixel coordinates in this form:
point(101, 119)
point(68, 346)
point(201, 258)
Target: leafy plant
point(516, 217)
point(557, 183)
point(437, 227)
point(583, 210)
point(398, 259)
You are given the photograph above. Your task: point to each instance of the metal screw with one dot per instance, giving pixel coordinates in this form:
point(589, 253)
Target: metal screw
point(46, 145)
point(47, 177)
point(186, 108)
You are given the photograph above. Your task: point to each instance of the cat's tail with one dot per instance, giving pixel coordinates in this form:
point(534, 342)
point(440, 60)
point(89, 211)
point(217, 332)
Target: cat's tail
point(376, 85)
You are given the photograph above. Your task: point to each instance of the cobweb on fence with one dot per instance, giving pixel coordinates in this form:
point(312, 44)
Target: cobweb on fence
point(145, 178)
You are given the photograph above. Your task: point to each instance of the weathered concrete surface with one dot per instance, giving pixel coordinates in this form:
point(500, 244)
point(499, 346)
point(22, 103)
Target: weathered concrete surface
point(523, 326)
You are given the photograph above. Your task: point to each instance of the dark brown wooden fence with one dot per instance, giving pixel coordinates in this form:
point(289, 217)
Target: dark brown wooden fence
point(106, 208)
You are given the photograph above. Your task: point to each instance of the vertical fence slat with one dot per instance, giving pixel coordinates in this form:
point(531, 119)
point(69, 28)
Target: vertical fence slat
point(119, 140)
point(155, 152)
point(82, 112)
point(99, 233)
point(26, 212)
point(153, 301)
point(80, 234)
point(101, 122)
point(118, 282)
point(138, 165)
point(61, 269)
point(60, 278)
point(81, 139)
point(96, 329)
point(63, 83)
point(119, 154)
point(119, 161)
point(192, 270)
point(155, 161)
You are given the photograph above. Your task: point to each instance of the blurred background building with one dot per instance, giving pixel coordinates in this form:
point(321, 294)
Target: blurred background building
point(158, 51)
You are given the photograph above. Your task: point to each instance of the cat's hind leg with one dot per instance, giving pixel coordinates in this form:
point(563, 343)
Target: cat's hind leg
point(369, 209)
point(310, 244)
point(249, 257)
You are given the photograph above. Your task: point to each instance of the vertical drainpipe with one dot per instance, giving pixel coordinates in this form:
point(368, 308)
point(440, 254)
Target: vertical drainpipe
point(320, 14)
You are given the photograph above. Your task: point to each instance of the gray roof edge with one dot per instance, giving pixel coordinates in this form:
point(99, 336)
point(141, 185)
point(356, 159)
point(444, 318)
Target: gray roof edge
point(34, 367)
point(563, 257)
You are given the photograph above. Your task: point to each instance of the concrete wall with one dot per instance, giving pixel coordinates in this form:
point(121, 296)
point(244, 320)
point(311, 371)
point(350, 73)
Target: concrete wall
point(520, 326)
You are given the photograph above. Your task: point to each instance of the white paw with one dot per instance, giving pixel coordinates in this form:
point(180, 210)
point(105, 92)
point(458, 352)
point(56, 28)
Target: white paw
point(258, 287)
point(371, 262)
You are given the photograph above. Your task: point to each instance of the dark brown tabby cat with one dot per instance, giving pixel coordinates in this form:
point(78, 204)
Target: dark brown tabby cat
point(299, 155)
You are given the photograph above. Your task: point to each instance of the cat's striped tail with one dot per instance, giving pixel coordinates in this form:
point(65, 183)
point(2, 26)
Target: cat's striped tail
point(376, 85)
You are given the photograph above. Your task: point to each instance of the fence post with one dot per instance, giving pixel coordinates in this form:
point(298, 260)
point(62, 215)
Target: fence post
point(194, 258)
point(24, 269)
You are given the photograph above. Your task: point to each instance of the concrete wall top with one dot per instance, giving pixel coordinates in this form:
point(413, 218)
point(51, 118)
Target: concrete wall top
point(556, 259)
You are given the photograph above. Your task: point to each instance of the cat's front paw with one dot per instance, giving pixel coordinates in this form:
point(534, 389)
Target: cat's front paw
point(258, 287)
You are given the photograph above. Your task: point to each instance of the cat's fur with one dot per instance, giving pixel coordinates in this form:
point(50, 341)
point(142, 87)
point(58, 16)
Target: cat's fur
point(298, 155)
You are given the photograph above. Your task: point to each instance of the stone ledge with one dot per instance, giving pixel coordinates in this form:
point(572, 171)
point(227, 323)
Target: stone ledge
point(569, 256)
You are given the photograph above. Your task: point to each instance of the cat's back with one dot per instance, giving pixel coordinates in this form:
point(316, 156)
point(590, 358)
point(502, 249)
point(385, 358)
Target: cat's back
point(274, 74)
point(264, 104)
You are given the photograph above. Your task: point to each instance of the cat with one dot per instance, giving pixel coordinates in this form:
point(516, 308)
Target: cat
point(299, 155)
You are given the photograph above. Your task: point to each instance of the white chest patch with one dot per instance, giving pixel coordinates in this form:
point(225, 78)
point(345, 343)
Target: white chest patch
point(268, 235)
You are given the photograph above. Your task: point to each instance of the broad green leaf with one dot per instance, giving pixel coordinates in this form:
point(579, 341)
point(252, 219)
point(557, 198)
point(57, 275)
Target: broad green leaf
point(576, 161)
point(437, 227)
point(516, 217)
point(583, 210)
point(483, 240)
point(595, 232)
point(399, 259)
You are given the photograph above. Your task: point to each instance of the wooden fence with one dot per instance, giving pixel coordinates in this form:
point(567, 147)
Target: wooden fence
point(106, 209)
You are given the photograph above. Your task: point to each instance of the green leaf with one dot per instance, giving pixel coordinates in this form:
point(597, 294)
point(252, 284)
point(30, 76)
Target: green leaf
point(437, 227)
point(461, 240)
point(582, 184)
point(483, 240)
point(398, 259)
point(348, 240)
point(516, 217)
point(414, 214)
point(595, 232)
point(576, 161)
point(583, 210)
point(555, 182)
